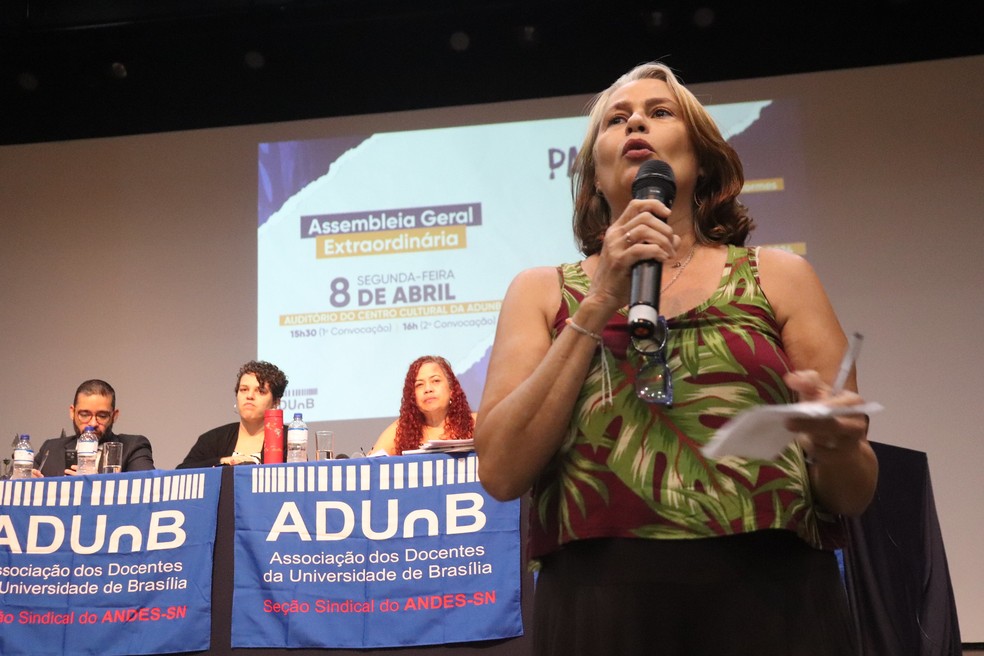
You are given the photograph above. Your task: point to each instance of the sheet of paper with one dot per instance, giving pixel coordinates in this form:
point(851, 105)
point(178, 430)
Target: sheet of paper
point(445, 446)
point(464, 449)
point(438, 444)
point(760, 432)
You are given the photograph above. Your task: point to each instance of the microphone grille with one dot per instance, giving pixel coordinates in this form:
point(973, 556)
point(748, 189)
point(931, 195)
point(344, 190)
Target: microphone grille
point(654, 172)
point(655, 167)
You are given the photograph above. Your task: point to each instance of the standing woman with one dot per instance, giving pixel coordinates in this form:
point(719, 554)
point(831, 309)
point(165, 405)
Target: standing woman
point(259, 387)
point(434, 407)
point(644, 545)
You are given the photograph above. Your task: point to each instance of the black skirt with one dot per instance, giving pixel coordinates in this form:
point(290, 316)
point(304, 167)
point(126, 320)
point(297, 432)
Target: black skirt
point(760, 594)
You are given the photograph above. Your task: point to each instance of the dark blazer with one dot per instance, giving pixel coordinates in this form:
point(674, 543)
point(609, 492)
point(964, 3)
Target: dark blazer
point(137, 453)
point(214, 445)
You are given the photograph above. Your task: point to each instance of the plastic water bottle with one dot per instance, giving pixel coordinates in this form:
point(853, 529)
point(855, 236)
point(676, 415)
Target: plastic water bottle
point(297, 439)
point(88, 451)
point(23, 458)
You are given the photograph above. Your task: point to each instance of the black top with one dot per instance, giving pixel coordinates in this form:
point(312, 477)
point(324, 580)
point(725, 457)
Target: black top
point(137, 453)
point(212, 446)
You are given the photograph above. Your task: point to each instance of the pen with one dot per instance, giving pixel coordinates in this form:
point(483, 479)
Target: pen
point(850, 356)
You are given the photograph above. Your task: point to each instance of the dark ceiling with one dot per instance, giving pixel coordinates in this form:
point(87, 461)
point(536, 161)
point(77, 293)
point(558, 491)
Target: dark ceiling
point(74, 69)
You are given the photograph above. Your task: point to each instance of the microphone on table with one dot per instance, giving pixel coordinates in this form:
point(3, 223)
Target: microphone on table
point(654, 180)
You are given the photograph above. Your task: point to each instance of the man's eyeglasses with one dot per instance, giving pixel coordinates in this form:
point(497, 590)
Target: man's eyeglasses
point(653, 383)
point(85, 415)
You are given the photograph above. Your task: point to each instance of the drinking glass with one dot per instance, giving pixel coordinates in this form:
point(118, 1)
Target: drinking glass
point(325, 441)
point(112, 458)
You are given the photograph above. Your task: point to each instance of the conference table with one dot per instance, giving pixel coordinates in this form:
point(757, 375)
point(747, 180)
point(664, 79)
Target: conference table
point(898, 533)
point(196, 561)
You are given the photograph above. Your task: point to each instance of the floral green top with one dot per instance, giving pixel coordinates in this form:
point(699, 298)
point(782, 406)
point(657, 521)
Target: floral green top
point(632, 469)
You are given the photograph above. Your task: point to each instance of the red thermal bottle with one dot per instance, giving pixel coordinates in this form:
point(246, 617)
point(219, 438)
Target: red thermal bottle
point(273, 436)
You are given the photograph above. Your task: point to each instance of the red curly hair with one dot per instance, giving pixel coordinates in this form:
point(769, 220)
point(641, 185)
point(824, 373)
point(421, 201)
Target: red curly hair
point(458, 424)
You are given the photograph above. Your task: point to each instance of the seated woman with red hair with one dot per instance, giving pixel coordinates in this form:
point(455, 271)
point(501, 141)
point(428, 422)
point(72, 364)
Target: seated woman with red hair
point(434, 407)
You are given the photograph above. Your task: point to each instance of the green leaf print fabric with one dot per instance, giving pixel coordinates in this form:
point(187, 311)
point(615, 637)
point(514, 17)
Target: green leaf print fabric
point(631, 469)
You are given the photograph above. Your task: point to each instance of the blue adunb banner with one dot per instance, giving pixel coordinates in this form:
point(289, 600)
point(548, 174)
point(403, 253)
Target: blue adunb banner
point(108, 564)
point(373, 552)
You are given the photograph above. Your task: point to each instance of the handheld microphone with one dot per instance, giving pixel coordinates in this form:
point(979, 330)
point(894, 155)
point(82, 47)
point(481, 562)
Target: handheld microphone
point(655, 180)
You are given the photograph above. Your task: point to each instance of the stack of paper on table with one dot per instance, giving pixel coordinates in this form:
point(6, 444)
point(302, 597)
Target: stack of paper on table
point(445, 446)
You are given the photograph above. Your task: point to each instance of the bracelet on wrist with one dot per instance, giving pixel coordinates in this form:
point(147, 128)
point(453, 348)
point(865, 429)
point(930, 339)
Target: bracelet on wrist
point(606, 375)
point(583, 331)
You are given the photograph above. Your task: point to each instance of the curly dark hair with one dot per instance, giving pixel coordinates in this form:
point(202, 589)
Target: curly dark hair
point(267, 375)
point(718, 216)
point(458, 424)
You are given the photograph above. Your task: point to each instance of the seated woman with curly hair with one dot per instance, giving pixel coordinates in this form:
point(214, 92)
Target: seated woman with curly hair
point(259, 387)
point(434, 407)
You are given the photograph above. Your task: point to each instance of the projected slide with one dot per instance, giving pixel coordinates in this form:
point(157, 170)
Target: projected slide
point(376, 249)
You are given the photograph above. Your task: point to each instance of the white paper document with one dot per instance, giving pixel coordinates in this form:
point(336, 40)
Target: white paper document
point(760, 432)
point(445, 446)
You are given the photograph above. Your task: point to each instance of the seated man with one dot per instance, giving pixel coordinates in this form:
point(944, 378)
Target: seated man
point(95, 405)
